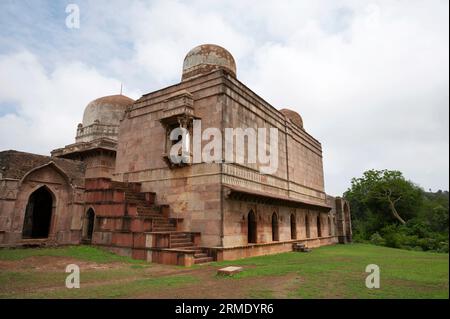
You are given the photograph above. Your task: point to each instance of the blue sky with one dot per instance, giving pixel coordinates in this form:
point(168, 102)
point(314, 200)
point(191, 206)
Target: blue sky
point(370, 78)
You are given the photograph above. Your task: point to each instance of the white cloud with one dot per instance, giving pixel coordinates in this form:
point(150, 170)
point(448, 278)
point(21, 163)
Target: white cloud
point(375, 95)
point(370, 78)
point(49, 104)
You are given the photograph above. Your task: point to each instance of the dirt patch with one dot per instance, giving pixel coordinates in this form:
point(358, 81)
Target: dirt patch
point(52, 263)
point(210, 285)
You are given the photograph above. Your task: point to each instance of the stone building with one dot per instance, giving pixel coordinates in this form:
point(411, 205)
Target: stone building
point(118, 187)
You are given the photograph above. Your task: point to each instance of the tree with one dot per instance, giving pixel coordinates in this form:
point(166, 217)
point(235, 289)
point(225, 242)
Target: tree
point(384, 192)
point(389, 210)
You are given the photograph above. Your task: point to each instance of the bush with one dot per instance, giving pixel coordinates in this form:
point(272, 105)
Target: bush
point(443, 247)
point(376, 239)
point(358, 238)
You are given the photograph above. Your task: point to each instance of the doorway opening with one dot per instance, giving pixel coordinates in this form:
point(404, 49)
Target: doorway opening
point(293, 227)
point(275, 233)
point(251, 232)
point(38, 214)
point(308, 234)
point(319, 227)
point(90, 220)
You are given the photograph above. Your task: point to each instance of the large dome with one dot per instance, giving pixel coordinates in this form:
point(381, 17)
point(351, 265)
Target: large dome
point(293, 116)
point(106, 110)
point(206, 58)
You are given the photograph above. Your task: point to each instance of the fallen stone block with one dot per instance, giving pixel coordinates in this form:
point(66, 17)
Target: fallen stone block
point(229, 271)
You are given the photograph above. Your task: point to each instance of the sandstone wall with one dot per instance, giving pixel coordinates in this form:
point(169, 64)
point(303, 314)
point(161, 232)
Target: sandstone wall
point(236, 222)
point(67, 211)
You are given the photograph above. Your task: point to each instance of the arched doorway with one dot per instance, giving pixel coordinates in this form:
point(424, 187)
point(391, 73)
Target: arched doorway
point(293, 227)
point(275, 233)
point(329, 226)
point(308, 233)
point(38, 214)
point(251, 232)
point(90, 220)
point(319, 227)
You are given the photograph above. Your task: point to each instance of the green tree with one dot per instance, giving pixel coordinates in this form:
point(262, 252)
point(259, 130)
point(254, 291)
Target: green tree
point(389, 210)
point(383, 196)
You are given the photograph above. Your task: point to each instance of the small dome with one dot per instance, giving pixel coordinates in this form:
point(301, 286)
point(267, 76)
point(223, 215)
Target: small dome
point(206, 58)
point(106, 110)
point(293, 116)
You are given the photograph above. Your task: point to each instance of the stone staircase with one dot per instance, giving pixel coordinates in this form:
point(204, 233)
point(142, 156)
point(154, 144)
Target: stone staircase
point(184, 241)
point(129, 222)
point(202, 257)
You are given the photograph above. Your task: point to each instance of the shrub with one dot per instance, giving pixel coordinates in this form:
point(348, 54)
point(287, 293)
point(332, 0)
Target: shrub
point(376, 239)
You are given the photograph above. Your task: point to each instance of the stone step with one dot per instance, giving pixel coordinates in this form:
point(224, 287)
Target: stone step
point(155, 216)
point(203, 260)
point(162, 222)
point(153, 212)
point(164, 226)
point(172, 238)
point(135, 196)
point(200, 255)
point(195, 249)
point(178, 235)
point(149, 208)
point(163, 229)
point(182, 245)
point(180, 240)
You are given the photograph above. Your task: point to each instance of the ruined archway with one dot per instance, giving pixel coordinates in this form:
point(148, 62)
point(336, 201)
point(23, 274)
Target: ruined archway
point(251, 232)
point(293, 227)
point(275, 232)
point(319, 226)
point(38, 214)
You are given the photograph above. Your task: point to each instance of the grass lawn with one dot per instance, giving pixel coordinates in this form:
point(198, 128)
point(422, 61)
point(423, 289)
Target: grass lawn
point(326, 272)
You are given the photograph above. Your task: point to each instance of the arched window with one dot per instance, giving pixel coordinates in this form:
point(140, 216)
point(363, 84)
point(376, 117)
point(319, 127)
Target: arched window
point(293, 227)
point(38, 214)
point(319, 227)
point(275, 233)
point(308, 234)
point(251, 224)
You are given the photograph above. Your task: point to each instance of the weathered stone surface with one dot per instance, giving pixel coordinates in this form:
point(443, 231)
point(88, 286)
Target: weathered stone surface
point(229, 271)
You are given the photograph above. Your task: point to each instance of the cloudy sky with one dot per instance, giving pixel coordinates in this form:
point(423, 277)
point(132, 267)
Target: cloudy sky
point(370, 78)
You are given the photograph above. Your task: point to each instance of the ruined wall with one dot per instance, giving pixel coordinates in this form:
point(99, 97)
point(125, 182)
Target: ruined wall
point(67, 210)
point(99, 164)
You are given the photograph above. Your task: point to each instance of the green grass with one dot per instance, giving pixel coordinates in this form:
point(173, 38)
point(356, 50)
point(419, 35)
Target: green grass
point(115, 290)
point(86, 253)
point(339, 271)
point(326, 272)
